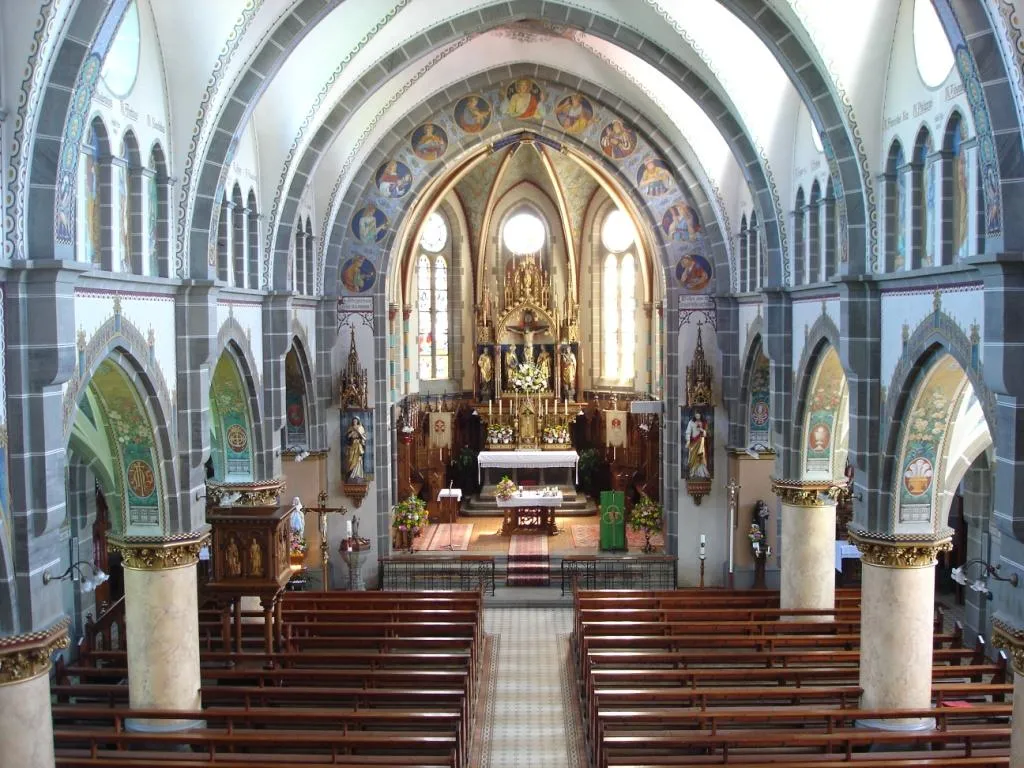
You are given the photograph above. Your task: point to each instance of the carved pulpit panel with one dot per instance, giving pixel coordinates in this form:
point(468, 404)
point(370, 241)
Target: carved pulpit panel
point(250, 549)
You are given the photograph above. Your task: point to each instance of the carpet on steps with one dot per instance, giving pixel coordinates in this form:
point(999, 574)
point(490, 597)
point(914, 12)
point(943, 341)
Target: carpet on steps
point(529, 564)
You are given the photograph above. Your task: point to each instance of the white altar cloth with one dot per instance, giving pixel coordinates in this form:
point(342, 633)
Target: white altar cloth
point(531, 499)
point(845, 551)
point(532, 459)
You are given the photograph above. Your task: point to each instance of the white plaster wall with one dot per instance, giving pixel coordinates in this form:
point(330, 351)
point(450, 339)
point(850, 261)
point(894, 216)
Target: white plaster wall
point(249, 315)
point(245, 166)
point(899, 308)
point(805, 315)
point(147, 312)
point(808, 163)
point(909, 103)
point(748, 314)
point(306, 317)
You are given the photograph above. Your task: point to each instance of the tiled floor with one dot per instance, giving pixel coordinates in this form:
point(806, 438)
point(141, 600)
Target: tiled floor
point(531, 720)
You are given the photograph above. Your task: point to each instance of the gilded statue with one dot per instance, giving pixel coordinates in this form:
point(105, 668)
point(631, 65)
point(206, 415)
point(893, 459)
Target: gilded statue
point(356, 437)
point(486, 366)
point(232, 560)
point(544, 363)
point(255, 558)
point(569, 372)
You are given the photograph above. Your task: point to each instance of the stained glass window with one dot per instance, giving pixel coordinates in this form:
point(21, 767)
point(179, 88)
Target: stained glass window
point(959, 194)
point(432, 317)
point(618, 301)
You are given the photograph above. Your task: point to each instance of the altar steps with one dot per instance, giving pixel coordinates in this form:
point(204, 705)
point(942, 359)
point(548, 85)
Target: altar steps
point(528, 563)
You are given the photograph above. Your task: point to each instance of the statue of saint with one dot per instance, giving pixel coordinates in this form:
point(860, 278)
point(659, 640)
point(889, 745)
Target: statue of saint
point(486, 366)
point(696, 446)
point(544, 363)
point(356, 436)
point(511, 362)
point(231, 558)
point(255, 558)
point(569, 371)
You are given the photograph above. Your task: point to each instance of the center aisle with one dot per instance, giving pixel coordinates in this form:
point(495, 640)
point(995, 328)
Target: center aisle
point(531, 721)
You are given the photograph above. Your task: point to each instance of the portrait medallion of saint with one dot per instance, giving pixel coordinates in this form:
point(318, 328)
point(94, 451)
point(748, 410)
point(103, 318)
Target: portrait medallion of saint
point(429, 142)
point(472, 113)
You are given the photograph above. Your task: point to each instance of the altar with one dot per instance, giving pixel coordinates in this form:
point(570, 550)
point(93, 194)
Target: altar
point(530, 511)
point(527, 459)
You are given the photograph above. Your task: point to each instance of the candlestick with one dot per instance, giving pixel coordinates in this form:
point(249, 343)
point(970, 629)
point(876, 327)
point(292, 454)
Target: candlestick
point(499, 407)
point(348, 529)
point(703, 544)
point(565, 400)
point(490, 407)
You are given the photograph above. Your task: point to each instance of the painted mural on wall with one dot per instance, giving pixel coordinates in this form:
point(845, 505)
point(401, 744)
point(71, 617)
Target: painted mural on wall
point(296, 433)
point(759, 424)
point(924, 431)
point(825, 397)
point(429, 142)
point(130, 432)
point(960, 206)
point(555, 108)
point(232, 455)
point(91, 206)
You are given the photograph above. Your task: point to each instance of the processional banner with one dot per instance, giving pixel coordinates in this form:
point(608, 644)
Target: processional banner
point(615, 429)
point(440, 429)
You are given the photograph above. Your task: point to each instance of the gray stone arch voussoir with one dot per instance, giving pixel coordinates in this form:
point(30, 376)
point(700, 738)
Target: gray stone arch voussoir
point(936, 335)
point(211, 174)
point(232, 339)
point(992, 94)
point(820, 336)
point(130, 354)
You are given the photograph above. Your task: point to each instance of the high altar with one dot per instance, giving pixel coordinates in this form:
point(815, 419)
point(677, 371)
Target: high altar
point(527, 353)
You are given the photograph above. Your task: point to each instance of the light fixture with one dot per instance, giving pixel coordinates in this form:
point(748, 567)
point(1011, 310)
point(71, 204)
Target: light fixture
point(980, 584)
point(75, 573)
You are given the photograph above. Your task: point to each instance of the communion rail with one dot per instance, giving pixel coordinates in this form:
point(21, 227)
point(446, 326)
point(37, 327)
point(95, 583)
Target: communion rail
point(420, 571)
point(617, 572)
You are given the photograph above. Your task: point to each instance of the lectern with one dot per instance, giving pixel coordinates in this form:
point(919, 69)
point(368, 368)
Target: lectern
point(613, 521)
point(449, 499)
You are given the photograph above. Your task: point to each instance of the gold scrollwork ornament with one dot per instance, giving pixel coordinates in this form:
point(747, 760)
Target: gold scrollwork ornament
point(24, 657)
point(159, 554)
point(900, 554)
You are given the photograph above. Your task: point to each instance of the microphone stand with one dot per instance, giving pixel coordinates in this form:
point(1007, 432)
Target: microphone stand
point(449, 546)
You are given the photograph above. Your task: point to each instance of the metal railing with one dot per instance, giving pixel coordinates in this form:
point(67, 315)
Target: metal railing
point(640, 572)
point(464, 572)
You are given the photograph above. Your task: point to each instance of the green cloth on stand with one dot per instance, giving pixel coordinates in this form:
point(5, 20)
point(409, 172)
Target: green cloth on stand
point(613, 520)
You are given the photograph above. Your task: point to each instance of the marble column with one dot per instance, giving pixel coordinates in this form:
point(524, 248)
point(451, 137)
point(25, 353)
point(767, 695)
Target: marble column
point(26, 726)
point(1010, 639)
point(898, 580)
point(162, 618)
point(807, 578)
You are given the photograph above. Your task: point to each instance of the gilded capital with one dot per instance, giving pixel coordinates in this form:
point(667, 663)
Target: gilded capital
point(23, 657)
point(160, 553)
point(805, 493)
point(887, 550)
point(1010, 639)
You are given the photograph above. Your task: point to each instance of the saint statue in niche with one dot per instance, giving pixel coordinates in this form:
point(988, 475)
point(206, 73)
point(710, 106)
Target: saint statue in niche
point(356, 436)
point(255, 558)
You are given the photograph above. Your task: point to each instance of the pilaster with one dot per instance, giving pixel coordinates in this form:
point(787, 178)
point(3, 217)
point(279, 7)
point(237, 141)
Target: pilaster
point(277, 316)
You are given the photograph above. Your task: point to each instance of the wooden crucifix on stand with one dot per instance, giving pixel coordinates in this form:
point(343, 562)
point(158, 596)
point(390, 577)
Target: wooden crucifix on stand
point(325, 553)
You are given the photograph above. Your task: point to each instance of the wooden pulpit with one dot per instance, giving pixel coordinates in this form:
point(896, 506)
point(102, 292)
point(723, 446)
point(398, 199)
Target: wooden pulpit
point(250, 553)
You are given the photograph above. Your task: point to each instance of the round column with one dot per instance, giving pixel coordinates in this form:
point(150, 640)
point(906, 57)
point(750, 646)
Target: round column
point(1011, 640)
point(897, 610)
point(162, 619)
point(807, 576)
point(26, 725)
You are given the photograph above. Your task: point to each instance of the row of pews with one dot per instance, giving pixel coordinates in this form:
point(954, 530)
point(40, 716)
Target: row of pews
point(363, 679)
point(713, 677)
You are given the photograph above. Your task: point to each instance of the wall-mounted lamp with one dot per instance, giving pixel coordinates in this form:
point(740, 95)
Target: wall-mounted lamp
point(75, 573)
point(986, 571)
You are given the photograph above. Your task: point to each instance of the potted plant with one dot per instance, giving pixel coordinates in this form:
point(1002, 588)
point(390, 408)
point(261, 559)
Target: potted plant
point(408, 517)
point(646, 517)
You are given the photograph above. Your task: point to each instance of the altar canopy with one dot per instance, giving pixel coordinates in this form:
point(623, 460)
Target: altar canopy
point(527, 459)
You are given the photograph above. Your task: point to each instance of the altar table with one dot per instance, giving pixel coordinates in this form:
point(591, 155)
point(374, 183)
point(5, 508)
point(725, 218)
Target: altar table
point(530, 510)
point(531, 459)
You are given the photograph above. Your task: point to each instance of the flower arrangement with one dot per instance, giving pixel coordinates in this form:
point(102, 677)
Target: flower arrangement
point(528, 377)
point(556, 435)
point(646, 515)
point(409, 514)
point(296, 544)
point(499, 434)
point(756, 536)
point(505, 489)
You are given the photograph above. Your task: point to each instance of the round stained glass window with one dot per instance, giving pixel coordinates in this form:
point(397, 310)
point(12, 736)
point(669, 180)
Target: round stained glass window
point(435, 233)
point(121, 64)
point(523, 233)
point(931, 46)
point(617, 231)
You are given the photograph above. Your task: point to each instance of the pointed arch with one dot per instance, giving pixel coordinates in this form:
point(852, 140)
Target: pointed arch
point(896, 191)
point(234, 441)
point(129, 206)
point(755, 393)
point(922, 199)
point(822, 418)
point(159, 213)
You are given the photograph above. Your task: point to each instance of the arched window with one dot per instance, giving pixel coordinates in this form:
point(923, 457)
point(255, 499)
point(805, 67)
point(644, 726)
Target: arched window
point(433, 325)
point(955, 183)
point(830, 231)
point(94, 210)
point(239, 242)
point(130, 206)
point(158, 229)
point(253, 236)
point(224, 240)
point(744, 257)
point(618, 299)
point(895, 209)
point(813, 238)
point(310, 259)
point(755, 278)
point(923, 178)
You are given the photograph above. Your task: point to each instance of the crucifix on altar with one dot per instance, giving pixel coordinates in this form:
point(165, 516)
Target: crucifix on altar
point(527, 329)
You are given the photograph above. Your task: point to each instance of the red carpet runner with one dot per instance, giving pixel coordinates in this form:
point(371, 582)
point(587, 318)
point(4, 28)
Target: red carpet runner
point(528, 562)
